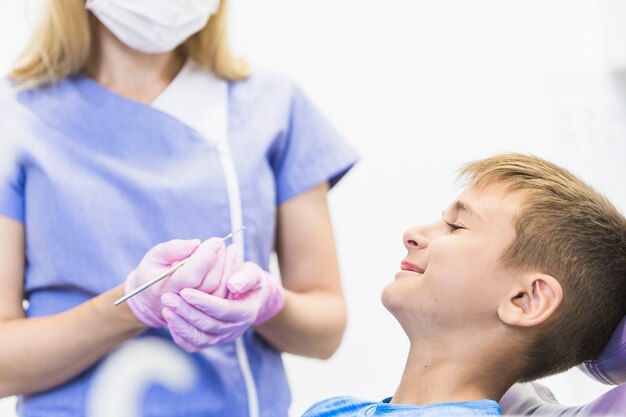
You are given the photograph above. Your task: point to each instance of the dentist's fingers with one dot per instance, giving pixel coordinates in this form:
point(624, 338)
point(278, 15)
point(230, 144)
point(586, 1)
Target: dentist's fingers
point(199, 264)
point(191, 338)
point(146, 305)
point(229, 267)
point(174, 250)
point(240, 310)
point(248, 278)
point(195, 317)
point(176, 326)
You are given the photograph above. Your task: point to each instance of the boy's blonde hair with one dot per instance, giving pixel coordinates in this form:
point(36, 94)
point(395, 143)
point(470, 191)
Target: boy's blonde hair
point(569, 231)
point(63, 43)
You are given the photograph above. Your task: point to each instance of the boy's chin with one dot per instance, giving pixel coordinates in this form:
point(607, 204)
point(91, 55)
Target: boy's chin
point(390, 299)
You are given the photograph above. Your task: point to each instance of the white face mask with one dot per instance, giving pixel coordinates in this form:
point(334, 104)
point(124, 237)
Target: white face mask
point(153, 26)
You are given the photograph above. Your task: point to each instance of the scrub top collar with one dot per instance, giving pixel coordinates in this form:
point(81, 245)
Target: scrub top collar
point(199, 99)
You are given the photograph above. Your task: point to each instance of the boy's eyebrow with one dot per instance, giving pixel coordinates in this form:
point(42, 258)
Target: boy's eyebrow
point(462, 206)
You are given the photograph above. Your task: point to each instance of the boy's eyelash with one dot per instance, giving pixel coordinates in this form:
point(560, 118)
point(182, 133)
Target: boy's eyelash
point(454, 227)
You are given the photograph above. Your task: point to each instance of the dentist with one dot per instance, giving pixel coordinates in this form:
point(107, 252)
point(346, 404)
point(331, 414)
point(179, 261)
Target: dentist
point(126, 124)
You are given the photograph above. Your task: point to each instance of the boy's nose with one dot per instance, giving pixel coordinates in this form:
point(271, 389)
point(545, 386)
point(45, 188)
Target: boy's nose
point(414, 238)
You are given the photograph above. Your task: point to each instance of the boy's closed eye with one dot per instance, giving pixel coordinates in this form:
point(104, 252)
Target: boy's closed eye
point(454, 227)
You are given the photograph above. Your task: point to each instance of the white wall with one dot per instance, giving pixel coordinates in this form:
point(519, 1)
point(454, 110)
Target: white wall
point(419, 87)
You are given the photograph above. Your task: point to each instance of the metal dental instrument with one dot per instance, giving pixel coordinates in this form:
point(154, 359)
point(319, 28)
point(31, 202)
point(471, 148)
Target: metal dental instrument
point(166, 273)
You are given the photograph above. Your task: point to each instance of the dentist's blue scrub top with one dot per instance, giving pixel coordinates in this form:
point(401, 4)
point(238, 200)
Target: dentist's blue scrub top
point(98, 179)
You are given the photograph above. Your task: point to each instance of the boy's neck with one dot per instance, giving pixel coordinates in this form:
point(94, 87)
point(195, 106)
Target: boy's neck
point(435, 375)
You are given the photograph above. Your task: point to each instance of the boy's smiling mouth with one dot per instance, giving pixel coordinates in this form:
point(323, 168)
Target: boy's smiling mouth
point(407, 266)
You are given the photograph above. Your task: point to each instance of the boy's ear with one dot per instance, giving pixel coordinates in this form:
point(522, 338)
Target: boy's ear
point(535, 298)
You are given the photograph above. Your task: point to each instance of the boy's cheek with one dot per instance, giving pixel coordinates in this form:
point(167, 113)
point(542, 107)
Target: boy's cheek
point(442, 256)
point(449, 253)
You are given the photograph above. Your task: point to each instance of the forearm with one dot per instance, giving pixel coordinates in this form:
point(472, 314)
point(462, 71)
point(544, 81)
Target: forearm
point(40, 353)
point(310, 324)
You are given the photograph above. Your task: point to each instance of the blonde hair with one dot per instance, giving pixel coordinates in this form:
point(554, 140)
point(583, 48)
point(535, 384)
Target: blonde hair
point(63, 43)
point(568, 230)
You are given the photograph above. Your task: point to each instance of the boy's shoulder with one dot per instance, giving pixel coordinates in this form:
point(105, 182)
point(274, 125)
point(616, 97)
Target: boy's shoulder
point(354, 407)
point(339, 407)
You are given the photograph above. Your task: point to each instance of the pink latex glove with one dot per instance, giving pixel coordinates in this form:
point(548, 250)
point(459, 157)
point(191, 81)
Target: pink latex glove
point(198, 320)
point(202, 270)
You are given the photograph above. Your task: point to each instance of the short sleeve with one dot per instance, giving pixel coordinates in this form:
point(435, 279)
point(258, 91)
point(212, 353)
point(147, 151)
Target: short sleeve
point(311, 151)
point(11, 178)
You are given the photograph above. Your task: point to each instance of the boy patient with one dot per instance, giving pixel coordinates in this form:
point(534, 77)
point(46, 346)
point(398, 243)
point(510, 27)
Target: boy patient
point(524, 276)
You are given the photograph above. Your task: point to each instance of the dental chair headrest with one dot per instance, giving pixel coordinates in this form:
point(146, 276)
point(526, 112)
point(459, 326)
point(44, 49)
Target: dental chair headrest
point(610, 365)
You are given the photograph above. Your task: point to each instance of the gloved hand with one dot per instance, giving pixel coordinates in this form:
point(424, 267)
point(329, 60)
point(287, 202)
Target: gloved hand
point(201, 271)
point(198, 320)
